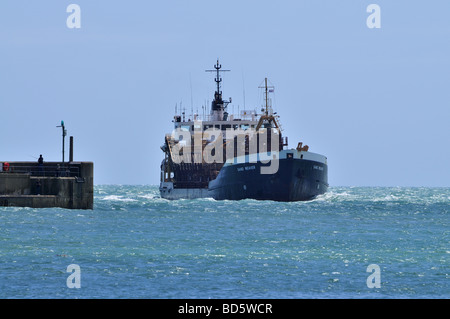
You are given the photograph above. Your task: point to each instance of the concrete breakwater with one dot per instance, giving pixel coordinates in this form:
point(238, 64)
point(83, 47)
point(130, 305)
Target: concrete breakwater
point(51, 184)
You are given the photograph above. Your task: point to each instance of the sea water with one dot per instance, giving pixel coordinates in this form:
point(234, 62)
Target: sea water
point(351, 242)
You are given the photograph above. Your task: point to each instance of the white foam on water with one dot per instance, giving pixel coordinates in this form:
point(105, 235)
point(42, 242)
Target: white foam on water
point(118, 198)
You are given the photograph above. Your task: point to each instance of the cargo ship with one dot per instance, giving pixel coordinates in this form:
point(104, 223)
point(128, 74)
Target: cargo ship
point(232, 157)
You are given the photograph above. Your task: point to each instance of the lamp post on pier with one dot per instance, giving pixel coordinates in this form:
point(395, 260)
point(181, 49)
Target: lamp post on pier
point(64, 133)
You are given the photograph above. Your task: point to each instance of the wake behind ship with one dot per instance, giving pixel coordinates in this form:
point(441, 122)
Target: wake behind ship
point(224, 156)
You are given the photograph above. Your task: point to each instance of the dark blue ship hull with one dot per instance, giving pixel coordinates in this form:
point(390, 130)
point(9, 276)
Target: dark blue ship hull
point(296, 180)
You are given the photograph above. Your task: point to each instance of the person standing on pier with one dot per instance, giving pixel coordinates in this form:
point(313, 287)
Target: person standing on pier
point(41, 164)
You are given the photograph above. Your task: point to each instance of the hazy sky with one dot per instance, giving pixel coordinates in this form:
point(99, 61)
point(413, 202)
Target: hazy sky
point(375, 101)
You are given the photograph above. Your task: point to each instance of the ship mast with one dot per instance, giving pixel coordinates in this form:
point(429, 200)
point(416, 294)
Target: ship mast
point(267, 99)
point(218, 106)
point(269, 118)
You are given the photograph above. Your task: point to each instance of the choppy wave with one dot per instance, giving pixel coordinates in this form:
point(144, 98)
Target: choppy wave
point(387, 194)
point(134, 244)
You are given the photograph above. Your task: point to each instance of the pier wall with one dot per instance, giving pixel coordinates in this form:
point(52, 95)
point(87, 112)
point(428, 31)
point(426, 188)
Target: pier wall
point(68, 185)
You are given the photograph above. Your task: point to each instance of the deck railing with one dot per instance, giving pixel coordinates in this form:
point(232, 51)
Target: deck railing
point(58, 170)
